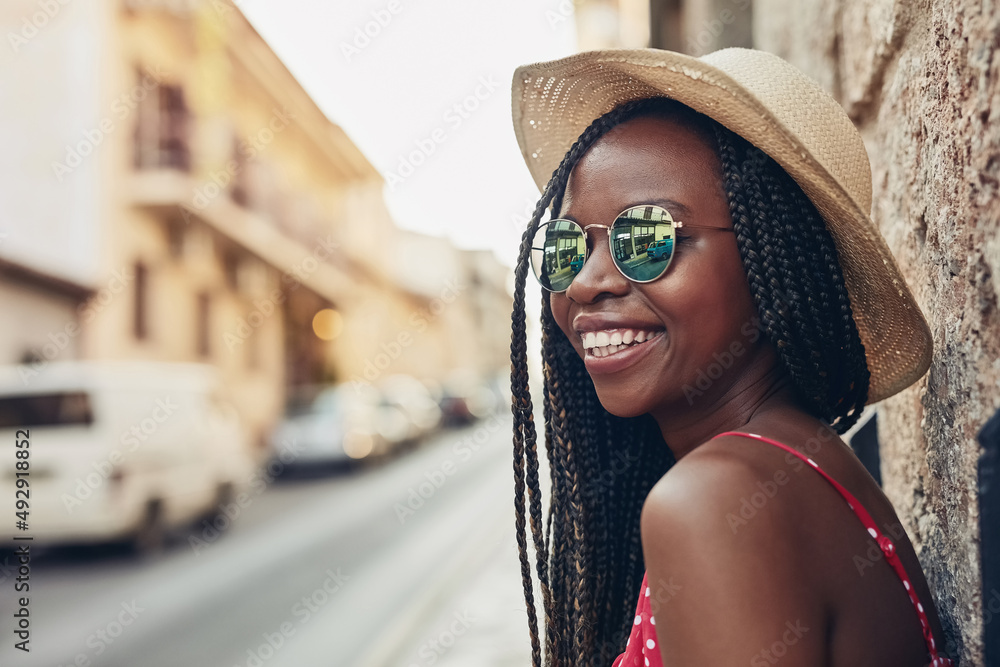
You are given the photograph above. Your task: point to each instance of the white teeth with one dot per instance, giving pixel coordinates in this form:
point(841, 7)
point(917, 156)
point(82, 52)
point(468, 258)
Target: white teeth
point(606, 343)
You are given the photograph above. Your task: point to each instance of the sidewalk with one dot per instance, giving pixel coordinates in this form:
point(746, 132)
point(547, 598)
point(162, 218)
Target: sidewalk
point(477, 615)
point(485, 623)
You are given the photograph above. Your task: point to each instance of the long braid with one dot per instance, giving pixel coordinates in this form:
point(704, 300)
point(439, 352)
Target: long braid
point(853, 382)
point(574, 466)
point(557, 639)
point(818, 341)
point(524, 431)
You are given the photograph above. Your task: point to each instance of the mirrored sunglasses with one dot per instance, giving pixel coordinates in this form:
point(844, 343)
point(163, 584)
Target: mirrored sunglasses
point(642, 240)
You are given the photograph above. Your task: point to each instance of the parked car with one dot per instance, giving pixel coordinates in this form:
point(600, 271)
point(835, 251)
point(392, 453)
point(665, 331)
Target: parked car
point(414, 400)
point(121, 451)
point(659, 250)
point(465, 399)
point(576, 263)
point(335, 424)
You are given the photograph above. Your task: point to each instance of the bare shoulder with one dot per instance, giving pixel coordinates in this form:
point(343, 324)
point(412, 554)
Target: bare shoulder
point(726, 505)
point(730, 480)
point(729, 571)
point(720, 486)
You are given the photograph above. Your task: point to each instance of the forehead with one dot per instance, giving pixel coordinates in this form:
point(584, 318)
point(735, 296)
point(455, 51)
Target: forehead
point(640, 161)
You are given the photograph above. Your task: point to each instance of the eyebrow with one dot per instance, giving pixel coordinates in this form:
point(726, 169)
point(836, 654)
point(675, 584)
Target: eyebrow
point(669, 204)
point(672, 205)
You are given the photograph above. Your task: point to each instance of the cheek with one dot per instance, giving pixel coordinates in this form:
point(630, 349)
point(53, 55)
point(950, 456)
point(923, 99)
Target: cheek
point(733, 305)
point(560, 312)
point(705, 299)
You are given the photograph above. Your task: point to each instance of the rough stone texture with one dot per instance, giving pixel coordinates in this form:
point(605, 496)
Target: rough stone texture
point(922, 82)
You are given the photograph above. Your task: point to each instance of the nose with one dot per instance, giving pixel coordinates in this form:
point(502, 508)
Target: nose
point(598, 276)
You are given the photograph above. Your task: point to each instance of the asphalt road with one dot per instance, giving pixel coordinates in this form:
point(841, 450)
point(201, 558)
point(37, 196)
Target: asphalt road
point(342, 570)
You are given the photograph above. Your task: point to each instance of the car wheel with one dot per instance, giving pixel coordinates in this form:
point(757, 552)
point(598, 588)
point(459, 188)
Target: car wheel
point(224, 495)
point(151, 538)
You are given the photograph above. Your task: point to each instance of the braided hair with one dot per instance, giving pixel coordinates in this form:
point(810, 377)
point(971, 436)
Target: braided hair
point(588, 554)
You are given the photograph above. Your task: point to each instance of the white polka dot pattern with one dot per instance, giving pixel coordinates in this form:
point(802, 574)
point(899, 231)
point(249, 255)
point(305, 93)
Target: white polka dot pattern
point(641, 649)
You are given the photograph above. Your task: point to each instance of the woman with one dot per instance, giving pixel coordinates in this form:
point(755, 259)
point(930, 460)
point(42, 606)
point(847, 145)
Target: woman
point(718, 307)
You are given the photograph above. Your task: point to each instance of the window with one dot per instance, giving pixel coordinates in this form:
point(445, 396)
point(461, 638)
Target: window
point(252, 345)
point(140, 304)
point(203, 325)
point(231, 269)
point(161, 133)
point(240, 190)
point(63, 409)
point(175, 238)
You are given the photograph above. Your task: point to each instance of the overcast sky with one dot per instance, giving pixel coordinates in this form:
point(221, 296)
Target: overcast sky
point(423, 88)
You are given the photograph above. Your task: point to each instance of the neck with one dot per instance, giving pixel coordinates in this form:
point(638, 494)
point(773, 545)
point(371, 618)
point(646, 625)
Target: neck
point(686, 427)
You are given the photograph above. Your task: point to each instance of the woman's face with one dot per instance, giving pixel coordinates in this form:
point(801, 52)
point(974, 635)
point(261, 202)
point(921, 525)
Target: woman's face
point(698, 322)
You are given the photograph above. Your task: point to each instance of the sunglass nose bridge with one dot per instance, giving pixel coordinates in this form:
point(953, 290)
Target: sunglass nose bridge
point(586, 237)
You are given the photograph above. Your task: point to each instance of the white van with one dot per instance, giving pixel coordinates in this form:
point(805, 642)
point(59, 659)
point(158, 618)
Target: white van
point(119, 450)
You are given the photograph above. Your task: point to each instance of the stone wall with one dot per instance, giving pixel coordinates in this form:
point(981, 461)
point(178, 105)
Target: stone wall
point(920, 79)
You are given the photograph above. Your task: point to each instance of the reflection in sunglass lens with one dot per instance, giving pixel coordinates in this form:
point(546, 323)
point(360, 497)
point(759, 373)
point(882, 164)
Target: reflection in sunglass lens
point(557, 253)
point(642, 245)
point(642, 242)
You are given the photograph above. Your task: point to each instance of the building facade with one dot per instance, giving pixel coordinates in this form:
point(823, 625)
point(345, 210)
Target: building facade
point(174, 194)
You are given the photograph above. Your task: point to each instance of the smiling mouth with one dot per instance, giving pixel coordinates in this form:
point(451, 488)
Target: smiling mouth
point(612, 341)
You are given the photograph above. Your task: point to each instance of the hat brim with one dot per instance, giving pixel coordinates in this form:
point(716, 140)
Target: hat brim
point(554, 102)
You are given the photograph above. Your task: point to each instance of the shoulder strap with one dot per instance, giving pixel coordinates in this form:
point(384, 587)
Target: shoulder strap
point(884, 543)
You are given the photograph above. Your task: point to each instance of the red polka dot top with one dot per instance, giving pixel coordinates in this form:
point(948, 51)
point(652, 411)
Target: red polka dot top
point(642, 650)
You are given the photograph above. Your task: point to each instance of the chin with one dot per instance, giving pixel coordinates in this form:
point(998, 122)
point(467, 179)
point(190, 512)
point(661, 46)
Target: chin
point(621, 404)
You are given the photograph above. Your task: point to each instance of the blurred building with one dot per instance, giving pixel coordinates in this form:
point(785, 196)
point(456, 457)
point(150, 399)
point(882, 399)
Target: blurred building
point(695, 27)
point(698, 27)
point(611, 24)
point(461, 297)
point(172, 193)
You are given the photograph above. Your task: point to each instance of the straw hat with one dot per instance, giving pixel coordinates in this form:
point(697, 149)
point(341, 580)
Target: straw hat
point(778, 109)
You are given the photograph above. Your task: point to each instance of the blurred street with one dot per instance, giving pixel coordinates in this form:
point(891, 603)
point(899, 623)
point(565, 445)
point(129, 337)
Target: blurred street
point(409, 563)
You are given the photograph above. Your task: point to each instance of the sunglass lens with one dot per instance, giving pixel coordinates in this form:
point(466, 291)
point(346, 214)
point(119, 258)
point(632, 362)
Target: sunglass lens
point(557, 253)
point(642, 242)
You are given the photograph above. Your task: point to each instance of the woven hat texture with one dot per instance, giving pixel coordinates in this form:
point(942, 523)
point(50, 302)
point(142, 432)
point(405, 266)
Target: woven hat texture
point(781, 111)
